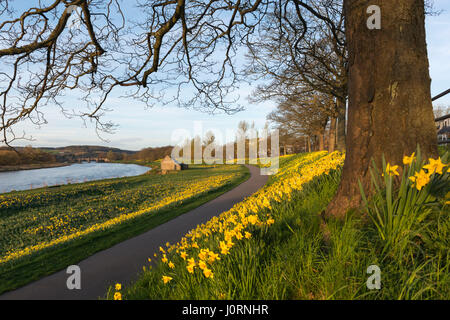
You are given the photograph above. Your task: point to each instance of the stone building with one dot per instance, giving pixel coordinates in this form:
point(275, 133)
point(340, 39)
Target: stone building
point(169, 164)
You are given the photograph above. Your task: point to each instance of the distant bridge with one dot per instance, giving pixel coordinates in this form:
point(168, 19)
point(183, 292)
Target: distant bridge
point(93, 159)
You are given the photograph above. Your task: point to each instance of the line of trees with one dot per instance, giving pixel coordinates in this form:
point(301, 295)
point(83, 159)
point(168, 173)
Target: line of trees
point(147, 154)
point(27, 155)
point(305, 69)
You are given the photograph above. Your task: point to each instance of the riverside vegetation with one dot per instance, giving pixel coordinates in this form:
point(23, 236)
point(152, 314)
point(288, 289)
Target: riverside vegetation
point(274, 244)
point(44, 230)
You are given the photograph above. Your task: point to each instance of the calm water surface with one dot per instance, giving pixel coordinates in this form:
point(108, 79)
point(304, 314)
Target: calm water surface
point(80, 172)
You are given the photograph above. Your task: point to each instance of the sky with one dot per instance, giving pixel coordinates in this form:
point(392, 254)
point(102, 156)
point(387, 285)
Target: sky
point(140, 127)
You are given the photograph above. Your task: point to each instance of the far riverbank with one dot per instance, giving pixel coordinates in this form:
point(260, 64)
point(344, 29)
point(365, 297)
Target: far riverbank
point(33, 166)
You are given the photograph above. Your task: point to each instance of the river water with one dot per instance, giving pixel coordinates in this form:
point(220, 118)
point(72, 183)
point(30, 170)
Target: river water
point(80, 172)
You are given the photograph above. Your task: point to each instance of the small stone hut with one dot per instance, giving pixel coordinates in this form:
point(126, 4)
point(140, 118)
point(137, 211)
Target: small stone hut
point(168, 164)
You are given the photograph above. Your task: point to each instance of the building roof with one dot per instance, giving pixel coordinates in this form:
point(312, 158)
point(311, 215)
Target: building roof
point(443, 117)
point(169, 158)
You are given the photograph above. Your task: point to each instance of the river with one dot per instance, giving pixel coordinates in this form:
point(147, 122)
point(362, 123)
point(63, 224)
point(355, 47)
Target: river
point(79, 172)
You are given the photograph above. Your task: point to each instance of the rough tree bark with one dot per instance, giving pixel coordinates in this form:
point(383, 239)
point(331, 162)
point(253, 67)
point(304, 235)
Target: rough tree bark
point(389, 110)
point(341, 123)
point(321, 142)
point(332, 135)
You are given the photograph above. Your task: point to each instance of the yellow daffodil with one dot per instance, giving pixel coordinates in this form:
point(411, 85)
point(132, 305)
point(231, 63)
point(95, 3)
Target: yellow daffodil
point(203, 255)
point(224, 249)
point(208, 273)
point(118, 286)
point(408, 160)
point(117, 296)
point(392, 170)
point(253, 219)
point(202, 264)
point(190, 268)
point(420, 179)
point(191, 261)
point(213, 257)
point(435, 166)
point(166, 279)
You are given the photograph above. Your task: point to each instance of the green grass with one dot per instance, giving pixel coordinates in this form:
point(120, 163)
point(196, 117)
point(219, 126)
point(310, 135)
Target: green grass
point(21, 271)
point(293, 260)
point(443, 149)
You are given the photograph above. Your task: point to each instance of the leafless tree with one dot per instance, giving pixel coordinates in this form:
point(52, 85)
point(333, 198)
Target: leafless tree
point(441, 110)
point(304, 114)
point(297, 51)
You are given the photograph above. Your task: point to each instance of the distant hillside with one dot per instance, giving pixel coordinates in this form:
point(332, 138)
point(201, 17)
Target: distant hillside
point(76, 153)
point(86, 149)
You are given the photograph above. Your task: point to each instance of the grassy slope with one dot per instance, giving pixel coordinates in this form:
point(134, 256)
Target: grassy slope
point(292, 261)
point(48, 261)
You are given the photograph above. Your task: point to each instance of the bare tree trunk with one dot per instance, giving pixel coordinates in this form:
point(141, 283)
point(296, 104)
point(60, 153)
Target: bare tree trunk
point(332, 135)
point(341, 125)
point(389, 110)
point(309, 144)
point(321, 144)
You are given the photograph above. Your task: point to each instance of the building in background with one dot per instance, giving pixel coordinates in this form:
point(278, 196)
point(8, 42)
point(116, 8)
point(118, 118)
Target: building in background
point(443, 129)
point(169, 164)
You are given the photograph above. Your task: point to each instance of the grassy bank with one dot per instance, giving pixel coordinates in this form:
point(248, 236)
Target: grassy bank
point(44, 230)
point(285, 255)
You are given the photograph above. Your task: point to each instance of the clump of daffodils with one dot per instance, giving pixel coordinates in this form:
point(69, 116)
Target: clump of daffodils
point(117, 294)
point(399, 210)
point(419, 176)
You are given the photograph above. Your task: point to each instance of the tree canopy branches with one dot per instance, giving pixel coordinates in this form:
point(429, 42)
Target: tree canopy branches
point(164, 51)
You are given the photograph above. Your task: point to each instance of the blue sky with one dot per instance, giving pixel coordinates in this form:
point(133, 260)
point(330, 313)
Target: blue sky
point(140, 127)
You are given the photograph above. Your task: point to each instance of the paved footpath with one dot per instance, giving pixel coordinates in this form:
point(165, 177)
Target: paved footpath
point(122, 262)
